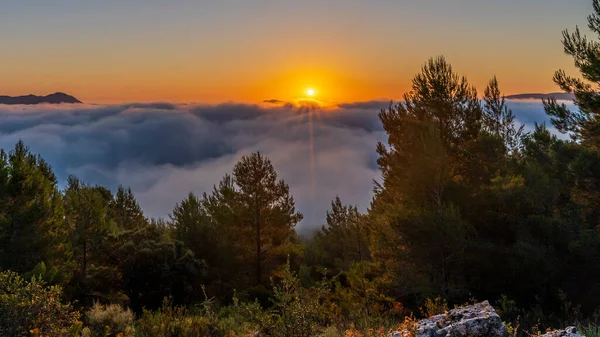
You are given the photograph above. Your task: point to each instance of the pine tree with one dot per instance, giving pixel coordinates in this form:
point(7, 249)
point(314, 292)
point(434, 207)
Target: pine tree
point(33, 233)
point(582, 123)
point(152, 264)
point(499, 120)
point(228, 237)
point(427, 165)
point(345, 238)
point(126, 211)
point(269, 207)
point(87, 213)
point(191, 224)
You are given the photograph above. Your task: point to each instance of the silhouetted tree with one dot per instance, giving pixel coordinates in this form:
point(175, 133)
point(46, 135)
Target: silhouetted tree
point(426, 166)
point(268, 207)
point(343, 241)
point(584, 122)
point(126, 211)
point(154, 266)
point(498, 119)
point(231, 251)
point(33, 233)
point(87, 213)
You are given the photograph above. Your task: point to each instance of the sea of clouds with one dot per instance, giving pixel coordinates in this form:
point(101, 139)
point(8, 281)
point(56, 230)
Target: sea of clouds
point(164, 151)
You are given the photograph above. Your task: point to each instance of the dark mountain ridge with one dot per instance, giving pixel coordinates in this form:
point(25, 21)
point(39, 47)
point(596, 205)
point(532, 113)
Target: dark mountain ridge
point(55, 98)
point(561, 96)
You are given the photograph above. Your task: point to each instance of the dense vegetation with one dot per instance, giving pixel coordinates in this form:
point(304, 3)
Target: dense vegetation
point(470, 207)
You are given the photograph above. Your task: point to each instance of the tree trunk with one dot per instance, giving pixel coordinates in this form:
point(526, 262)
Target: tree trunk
point(445, 278)
point(84, 273)
point(258, 247)
point(222, 278)
point(359, 242)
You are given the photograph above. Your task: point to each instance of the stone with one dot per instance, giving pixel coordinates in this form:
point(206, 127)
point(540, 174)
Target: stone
point(567, 332)
point(477, 320)
point(571, 329)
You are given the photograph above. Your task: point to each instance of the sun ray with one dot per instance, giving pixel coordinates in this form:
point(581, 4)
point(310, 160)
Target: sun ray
point(313, 174)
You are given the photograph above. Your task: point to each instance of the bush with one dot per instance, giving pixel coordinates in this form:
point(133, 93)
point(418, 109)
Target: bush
point(32, 308)
point(297, 311)
point(169, 321)
point(109, 320)
point(358, 299)
point(434, 307)
point(178, 321)
point(589, 330)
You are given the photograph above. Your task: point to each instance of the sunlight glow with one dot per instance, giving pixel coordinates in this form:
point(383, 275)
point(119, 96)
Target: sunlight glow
point(310, 92)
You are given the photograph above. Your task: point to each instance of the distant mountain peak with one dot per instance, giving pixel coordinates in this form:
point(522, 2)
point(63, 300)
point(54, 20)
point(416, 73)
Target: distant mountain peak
point(55, 98)
point(561, 96)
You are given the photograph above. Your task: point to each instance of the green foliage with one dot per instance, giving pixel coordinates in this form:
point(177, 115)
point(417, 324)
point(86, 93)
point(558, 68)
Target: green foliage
point(427, 168)
point(469, 206)
point(359, 298)
point(87, 213)
point(583, 122)
point(109, 320)
point(507, 308)
point(153, 266)
point(169, 321)
point(434, 307)
point(268, 210)
point(499, 120)
point(296, 310)
point(242, 230)
point(512, 328)
point(32, 306)
point(178, 321)
point(343, 241)
point(191, 224)
point(32, 230)
point(461, 206)
point(126, 211)
point(589, 329)
point(209, 228)
point(227, 248)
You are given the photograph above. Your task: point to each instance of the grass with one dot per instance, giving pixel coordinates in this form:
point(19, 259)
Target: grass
point(589, 330)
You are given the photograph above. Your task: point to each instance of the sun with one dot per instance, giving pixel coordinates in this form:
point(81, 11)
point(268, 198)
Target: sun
point(310, 92)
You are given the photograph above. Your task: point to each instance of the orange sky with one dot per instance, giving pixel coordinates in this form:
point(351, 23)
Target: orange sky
point(346, 50)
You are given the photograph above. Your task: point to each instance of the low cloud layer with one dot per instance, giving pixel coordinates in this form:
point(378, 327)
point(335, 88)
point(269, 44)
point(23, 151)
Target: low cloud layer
point(163, 151)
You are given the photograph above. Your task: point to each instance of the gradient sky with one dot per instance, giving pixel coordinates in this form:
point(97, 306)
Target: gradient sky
point(250, 50)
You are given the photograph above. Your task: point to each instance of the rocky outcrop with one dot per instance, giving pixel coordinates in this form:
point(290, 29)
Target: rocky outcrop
point(478, 320)
point(568, 332)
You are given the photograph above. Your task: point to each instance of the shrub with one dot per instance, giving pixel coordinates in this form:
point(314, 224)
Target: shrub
point(507, 308)
point(178, 321)
point(589, 330)
point(331, 331)
point(33, 308)
point(296, 311)
point(109, 320)
point(434, 307)
point(170, 321)
point(358, 298)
